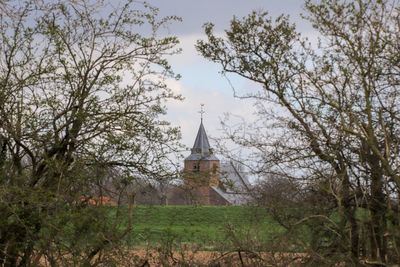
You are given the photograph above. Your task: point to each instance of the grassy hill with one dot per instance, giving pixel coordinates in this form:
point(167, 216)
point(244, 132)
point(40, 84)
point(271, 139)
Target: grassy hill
point(203, 225)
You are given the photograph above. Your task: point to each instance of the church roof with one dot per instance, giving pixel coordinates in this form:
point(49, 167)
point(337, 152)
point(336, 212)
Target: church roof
point(201, 149)
point(232, 198)
point(201, 143)
point(234, 177)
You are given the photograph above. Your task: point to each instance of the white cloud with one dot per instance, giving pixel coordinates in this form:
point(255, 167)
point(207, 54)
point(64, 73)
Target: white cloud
point(217, 102)
point(189, 54)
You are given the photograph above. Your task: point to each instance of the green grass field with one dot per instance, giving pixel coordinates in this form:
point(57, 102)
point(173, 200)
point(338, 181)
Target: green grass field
point(202, 225)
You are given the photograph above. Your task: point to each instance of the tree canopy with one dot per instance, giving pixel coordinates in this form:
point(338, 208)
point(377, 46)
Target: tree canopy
point(337, 125)
point(82, 92)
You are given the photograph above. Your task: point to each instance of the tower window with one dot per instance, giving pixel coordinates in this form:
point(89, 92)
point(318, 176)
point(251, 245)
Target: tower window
point(196, 167)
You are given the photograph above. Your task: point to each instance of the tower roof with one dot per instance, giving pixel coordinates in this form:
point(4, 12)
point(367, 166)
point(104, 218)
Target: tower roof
point(201, 149)
point(201, 143)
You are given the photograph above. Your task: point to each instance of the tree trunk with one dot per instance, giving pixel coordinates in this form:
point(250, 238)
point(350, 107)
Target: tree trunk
point(378, 211)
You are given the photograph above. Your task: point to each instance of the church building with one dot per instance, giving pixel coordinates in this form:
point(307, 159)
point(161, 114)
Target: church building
point(201, 174)
point(205, 182)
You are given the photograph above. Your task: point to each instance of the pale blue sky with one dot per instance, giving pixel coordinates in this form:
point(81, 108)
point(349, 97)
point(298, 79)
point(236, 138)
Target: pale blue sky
point(201, 82)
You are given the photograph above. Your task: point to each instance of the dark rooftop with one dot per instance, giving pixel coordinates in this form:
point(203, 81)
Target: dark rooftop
point(201, 149)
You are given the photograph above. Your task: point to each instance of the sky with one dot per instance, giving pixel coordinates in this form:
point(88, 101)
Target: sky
point(201, 82)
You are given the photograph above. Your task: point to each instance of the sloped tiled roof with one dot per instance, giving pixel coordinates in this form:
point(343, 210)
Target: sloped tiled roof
point(234, 177)
point(232, 198)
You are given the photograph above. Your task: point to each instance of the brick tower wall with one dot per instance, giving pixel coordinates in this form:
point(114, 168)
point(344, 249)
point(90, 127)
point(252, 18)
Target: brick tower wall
point(206, 170)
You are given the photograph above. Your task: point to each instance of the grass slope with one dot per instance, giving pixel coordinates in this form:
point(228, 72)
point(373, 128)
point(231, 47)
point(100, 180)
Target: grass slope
point(203, 225)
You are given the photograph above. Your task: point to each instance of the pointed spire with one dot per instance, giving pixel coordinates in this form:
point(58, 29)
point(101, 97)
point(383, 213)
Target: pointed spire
point(201, 147)
point(201, 144)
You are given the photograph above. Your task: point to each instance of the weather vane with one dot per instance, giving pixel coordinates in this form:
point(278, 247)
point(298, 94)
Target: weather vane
point(201, 111)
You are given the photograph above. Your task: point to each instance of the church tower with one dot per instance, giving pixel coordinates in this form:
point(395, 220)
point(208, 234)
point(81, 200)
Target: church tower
point(202, 177)
point(202, 166)
point(202, 172)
